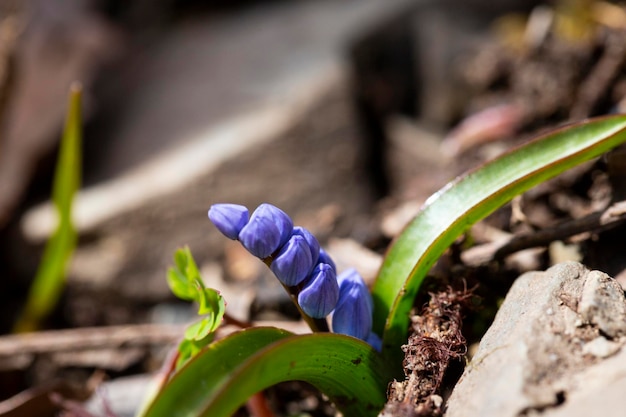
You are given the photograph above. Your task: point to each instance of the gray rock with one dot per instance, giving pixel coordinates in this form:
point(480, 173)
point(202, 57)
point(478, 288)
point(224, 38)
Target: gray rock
point(602, 304)
point(554, 349)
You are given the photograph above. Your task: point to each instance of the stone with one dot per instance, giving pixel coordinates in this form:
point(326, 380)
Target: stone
point(554, 349)
point(602, 304)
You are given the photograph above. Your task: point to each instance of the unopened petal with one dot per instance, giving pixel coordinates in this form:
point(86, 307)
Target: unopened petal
point(268, 229)
point(260, 236)
point(353, 314)
point(314, 245)
point(283, 222)
point(293, 262)
point(375, 341)
point(352, 278)
point(229, 218)
point(320, 293)
point(325, 258)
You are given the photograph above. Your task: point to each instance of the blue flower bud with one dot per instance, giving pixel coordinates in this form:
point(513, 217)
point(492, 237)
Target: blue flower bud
point(320, 293)
point(351, 277)
point(314, 245)
point(268, 229)
point(229, 218)
point(293, 262)
point(375, 341)
point(324, 258)
point(280, 219)
point(260, 236)
point(353, 314)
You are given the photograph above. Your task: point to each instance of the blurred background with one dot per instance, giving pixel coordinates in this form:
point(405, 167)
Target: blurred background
point(335, 111)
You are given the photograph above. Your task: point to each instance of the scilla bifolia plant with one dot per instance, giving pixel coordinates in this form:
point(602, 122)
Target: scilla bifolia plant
point(349, 365)
point(304, 269)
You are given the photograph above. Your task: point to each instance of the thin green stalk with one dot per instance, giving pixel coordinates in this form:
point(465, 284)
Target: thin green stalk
point(49, 280)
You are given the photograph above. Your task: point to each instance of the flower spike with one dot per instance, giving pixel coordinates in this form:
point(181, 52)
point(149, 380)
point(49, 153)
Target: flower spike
point(303, 267)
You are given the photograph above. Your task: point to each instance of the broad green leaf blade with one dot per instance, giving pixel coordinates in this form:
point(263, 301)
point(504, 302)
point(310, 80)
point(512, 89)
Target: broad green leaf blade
point(50, 278)
point(189, 390)
point(449, 212)
point(346, 369)
point(221, 378)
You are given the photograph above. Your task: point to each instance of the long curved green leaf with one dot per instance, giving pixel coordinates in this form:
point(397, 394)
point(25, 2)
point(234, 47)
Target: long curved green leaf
point(469, 198)
point(191, 386)
point(221, 378)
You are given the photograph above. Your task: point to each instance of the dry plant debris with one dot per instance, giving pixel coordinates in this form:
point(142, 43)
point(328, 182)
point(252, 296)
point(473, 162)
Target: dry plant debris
point(436, 340)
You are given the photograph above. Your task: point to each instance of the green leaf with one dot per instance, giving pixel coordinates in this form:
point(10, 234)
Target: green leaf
point(452, 210)
point(211, 302)
point(225, 374)
point(191, 386)
point(188, 348)
point(186, 283)
point(179, 284)
point(184, 278)
point(200, 329)
point(49, 280)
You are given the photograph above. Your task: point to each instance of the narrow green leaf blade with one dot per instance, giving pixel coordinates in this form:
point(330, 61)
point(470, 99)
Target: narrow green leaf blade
point(224, 375)
point(469, 198)
point(68, 171)
point(50, 277)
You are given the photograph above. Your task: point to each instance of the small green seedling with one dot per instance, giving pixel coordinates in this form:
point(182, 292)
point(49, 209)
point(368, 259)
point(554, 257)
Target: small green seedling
point(186, 283)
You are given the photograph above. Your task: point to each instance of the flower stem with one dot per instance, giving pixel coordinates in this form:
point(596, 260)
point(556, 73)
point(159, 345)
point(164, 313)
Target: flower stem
point(228, 319)
point(316, 325)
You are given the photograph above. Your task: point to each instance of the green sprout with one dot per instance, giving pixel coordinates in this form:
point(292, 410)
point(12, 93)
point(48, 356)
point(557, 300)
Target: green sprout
point(49, 281)
point(186, 283)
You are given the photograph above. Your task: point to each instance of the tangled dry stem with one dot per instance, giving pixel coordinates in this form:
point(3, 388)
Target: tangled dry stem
point(436, 340)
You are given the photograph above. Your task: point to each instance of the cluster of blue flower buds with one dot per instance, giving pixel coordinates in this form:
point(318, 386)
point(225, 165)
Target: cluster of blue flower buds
point(294, 255)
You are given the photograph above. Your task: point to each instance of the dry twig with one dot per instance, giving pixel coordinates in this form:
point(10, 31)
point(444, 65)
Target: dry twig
point(596, 222)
